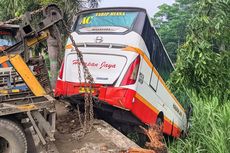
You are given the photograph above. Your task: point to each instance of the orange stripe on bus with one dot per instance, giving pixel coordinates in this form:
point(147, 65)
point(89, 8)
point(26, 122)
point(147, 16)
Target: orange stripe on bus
point(144, 56)
point(143, 100)
point(137, 50)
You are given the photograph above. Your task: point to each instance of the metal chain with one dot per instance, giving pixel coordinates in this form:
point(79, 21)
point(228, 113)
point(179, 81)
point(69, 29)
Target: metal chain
point(88, 86)
point(79, 116)
point(21, 17)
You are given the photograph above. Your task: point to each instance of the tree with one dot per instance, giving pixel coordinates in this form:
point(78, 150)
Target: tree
point(14, 8)
point(171, 23)
point(203, 63)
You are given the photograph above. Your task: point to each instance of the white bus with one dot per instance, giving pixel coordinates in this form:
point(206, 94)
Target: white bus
point(129, 65)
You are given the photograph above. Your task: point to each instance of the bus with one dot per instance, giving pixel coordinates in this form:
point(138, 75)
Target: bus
point(130, 67)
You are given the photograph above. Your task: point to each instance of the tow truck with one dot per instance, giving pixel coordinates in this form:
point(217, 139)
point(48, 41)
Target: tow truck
point(26, 104)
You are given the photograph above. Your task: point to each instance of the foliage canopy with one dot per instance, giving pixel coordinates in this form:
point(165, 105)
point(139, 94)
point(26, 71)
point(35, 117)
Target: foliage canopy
point(203, 57)
point(16, 8)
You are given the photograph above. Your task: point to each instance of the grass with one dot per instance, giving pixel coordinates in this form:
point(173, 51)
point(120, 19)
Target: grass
point(210, 129)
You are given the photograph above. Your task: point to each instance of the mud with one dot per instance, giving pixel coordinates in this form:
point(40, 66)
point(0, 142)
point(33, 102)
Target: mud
point(103, 138)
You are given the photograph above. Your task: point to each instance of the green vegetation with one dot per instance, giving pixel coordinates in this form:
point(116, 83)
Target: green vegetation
point(199, 35)
point(210, 129)
point(203, 60)
point(171, 23)
point(16, 8)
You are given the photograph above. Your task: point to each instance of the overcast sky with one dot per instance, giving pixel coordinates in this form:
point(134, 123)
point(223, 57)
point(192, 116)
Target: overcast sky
point(149, 5)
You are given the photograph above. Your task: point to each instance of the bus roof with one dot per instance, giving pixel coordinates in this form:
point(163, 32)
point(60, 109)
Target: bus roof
point(138, 9)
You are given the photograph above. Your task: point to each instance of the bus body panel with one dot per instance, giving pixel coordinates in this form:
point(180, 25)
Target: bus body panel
point(146, 108)
point(130, 39)
point(105, 71)
point(145, 98)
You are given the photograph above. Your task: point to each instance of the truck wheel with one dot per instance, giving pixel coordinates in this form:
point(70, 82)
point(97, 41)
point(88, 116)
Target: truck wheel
point(12, 137)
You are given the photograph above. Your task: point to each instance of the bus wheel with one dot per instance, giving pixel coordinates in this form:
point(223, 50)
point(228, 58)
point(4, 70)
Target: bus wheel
point(183, 135)
point(160, 123)
point(12, 137)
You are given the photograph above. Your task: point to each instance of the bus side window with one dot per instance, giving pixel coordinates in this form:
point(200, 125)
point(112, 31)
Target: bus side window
point(161, 61)
point(155, 53)
point(147, 35)
point(154, 77)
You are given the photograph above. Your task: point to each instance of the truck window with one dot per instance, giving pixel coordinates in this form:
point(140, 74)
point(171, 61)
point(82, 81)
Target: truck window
point(6, 39)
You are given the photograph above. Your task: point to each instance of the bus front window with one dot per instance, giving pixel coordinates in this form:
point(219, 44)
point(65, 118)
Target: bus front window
point(102, 21)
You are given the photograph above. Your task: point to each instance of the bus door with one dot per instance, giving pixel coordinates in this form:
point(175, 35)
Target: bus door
point(154, 79)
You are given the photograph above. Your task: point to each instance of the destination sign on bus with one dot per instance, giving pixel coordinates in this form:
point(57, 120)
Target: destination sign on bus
point(110, 14)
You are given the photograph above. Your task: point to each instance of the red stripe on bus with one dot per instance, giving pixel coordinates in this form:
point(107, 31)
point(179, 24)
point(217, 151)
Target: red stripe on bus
point(123, 98)
point(147, 113)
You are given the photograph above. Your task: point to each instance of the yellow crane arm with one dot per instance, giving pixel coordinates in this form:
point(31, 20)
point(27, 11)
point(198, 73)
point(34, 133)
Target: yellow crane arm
point(25, 73)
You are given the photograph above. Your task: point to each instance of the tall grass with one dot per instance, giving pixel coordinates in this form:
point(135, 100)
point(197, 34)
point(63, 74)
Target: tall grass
point(210, 129)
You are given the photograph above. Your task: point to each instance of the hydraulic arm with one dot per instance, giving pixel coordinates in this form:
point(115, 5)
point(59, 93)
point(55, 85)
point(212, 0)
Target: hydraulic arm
point(24, 71)
point(17, 55)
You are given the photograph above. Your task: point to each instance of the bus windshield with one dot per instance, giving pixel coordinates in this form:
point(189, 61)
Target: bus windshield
point(86, 22)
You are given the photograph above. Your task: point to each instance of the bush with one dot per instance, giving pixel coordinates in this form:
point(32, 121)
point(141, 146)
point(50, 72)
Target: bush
point(210, 129)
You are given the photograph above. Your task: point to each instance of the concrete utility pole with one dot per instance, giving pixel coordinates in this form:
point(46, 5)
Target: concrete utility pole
point(54, 42)
point(54, 49)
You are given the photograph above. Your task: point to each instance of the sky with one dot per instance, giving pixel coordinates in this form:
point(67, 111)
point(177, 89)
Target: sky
point(149, 5)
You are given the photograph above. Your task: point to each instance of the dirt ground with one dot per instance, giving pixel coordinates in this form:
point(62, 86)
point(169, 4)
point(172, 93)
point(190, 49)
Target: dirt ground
point(102, 138)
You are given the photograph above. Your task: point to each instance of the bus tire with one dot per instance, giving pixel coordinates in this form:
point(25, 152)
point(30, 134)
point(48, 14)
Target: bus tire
point(160, 121)
point(12, 137)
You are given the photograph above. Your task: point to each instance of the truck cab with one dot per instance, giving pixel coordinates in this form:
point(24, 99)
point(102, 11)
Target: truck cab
point(7, 36)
